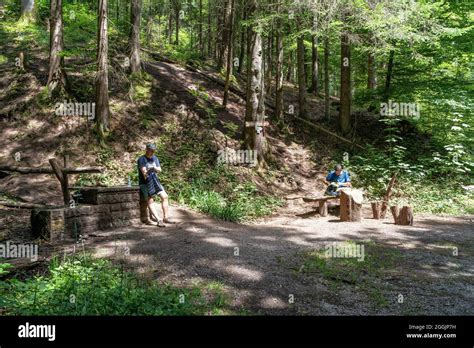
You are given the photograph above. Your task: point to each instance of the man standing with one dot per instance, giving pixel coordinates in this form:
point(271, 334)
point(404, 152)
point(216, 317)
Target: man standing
point(337, 179)
point(150, 186)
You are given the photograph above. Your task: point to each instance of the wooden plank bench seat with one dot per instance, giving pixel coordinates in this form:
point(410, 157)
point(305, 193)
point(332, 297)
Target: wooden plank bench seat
point(323, 203)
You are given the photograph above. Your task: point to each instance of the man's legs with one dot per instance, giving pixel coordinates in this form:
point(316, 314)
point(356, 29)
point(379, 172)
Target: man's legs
point(152, 208)
point(164, 206)
point(164, 203)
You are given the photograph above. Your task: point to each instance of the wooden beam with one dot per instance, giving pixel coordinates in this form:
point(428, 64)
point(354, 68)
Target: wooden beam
point(48, 170)
point(327, 131)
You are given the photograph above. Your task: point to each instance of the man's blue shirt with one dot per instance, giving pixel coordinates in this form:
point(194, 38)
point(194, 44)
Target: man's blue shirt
point(342, 178)
point(144, 161)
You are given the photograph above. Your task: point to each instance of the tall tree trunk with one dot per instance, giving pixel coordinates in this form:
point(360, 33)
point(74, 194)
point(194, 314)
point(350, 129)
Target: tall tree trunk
point(301, 74)
point(209, 29)
point(56, 76)
point(254, 129)
point(268, 65)
point(326, 77)
point(28, 10)
point(345, 92)
point(371, 72)
point(117, 10)
point(222, 63)
point(279, 71)
point(177, 15)
point(201, 43)
point(170, 26)
point(242, 39)
point(388, 79)
point(289, 73)
point(135, 65)
point(102, 80)
point(229, 64)
point(314, 65)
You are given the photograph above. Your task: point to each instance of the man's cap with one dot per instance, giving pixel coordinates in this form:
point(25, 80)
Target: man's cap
point(151, 146)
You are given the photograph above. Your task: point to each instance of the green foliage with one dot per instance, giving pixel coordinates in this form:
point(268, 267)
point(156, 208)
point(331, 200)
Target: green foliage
point(84, 286)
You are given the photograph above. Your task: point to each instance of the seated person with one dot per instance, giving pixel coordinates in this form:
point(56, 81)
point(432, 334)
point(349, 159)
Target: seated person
point(337, 179)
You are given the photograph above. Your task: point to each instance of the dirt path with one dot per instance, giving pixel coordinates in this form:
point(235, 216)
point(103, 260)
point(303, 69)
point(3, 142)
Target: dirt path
point(260, 265)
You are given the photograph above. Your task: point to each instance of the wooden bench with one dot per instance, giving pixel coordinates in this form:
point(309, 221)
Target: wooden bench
point(323, 203)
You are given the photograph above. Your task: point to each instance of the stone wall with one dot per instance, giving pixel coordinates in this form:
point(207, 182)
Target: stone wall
point(98, 208)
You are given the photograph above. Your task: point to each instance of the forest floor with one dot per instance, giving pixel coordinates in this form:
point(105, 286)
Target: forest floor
point(276, 269)
point(270, 267)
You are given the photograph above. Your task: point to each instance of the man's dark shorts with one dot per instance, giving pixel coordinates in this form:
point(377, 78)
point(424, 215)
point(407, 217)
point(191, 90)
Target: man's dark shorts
point(144, 191)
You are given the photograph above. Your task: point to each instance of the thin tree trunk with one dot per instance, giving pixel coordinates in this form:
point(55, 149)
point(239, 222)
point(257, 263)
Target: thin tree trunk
point(314, 65)
point(242, 39)
point(201, 43)
point(301, 74)
point(170, 27)
point(135, 65)
point(326, 78)
point(279, 72)
point(388, 79)
point(209, 29)
point(371, 72)
point(102, 80)
point(229, 54)
point(56, 76)
point(289, 73)
point(345, 92)
point(223, 53)
point(177, 11)
point(28, 10)
point(254, 129)
point(268, 65)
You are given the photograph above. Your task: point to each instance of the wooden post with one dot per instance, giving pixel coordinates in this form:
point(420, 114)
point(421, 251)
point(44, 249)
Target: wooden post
point(376, 210)
point(323, 207)
point(394, 210)
point(406, 216)
point(143, 209)
point(58, 171)
point(66, 180)
point(387, 196)
point(350, 206)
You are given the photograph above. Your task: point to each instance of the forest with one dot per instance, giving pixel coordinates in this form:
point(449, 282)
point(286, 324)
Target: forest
point(251, 107)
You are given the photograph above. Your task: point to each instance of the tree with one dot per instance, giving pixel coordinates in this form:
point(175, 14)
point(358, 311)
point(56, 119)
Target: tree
point(226, 35)
point(326, 77)
point(102, 81)
point(136, 8)
point(300, 54)
point(345, 92)
point(28, 10)
point(279, 69)
point(56, 77)
point(229, 54)
point(371, 71)
point(254, 130)
point(314, 65)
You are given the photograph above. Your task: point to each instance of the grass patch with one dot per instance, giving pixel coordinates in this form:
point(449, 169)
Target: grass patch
point(364, 274)
point(85, 286)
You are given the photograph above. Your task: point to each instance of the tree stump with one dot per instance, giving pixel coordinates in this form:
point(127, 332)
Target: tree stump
point(351, 204)
point(406, 216)
point(323, 207)
point(394, 210)
point(376, 210)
